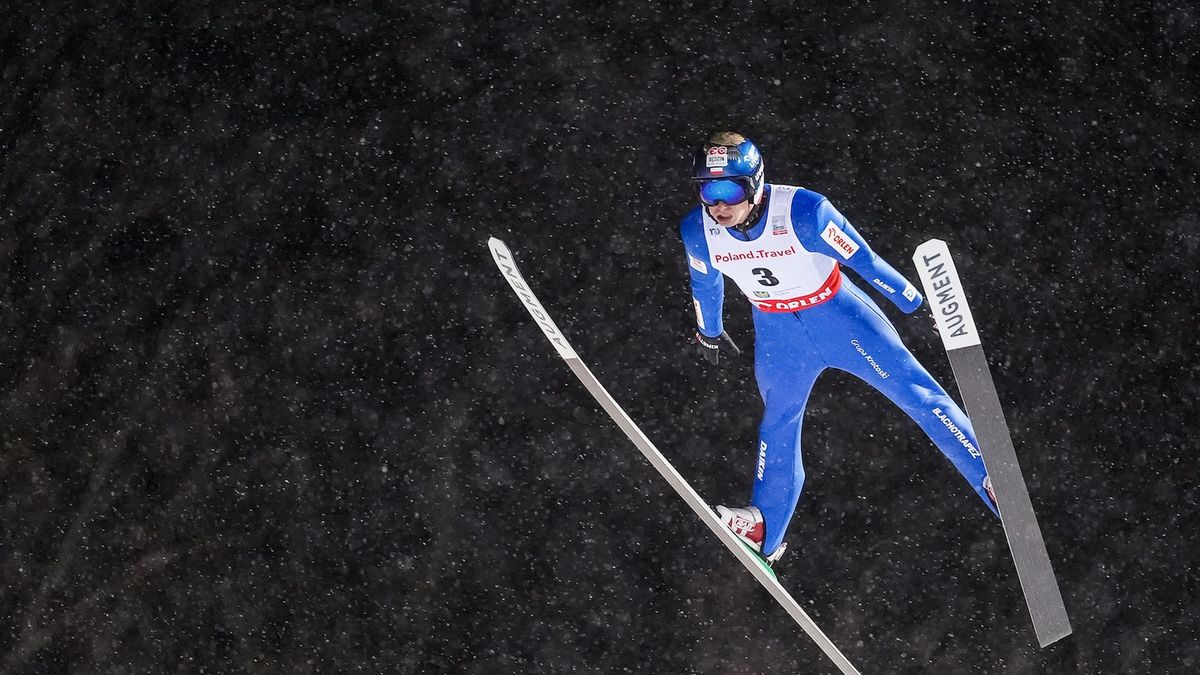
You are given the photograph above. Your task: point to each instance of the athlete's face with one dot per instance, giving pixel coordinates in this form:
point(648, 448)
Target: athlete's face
point(728, 215)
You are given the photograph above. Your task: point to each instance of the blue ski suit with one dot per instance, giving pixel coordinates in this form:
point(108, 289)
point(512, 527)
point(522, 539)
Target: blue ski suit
point(818, 320)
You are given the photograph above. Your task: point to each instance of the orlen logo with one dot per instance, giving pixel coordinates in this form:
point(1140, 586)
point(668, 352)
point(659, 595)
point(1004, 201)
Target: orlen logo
point(825, 292)
point(839, 240)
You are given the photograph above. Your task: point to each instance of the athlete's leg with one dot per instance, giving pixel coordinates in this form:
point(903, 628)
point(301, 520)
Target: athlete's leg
point(869, 348)
point(786, 365)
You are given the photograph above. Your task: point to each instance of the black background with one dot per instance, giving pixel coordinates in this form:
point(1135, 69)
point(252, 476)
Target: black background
point(267, 405)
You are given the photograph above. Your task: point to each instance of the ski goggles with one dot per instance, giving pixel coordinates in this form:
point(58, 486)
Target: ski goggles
point(728, 190)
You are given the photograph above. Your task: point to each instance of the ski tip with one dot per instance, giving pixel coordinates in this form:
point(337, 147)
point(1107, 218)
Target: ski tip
point(935, 244)
point(498, 249)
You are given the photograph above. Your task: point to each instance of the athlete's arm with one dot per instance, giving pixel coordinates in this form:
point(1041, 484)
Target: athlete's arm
point(834, 236)
point(708, 285)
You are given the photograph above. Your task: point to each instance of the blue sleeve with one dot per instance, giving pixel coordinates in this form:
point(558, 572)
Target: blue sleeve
point(708, 285)
point(830, 233)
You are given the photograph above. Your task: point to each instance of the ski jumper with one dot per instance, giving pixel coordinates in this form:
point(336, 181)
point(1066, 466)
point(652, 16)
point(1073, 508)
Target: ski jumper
point(807, 318)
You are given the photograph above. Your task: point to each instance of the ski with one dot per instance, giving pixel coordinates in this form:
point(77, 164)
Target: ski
point(956, 325)
point(757, 566)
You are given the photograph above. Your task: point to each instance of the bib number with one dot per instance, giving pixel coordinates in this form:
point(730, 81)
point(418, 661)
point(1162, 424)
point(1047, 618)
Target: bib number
point(767, 279)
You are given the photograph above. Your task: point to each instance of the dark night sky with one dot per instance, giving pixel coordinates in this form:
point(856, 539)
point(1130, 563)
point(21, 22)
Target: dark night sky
point(268, 406)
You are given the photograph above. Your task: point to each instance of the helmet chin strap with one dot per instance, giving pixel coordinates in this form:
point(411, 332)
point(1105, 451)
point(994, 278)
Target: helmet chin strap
point(755, 212)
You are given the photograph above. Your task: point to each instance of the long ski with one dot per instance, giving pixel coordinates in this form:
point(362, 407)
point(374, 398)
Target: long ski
point(752, 562)
point(956, 325)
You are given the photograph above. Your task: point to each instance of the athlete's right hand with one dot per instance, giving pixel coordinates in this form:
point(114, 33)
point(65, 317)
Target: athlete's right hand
point(710, 347)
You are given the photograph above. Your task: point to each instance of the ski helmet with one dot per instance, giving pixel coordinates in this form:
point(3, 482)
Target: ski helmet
point(728, 168)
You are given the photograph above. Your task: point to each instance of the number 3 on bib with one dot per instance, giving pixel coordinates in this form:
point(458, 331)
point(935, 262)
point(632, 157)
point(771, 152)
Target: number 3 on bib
point(767, 279)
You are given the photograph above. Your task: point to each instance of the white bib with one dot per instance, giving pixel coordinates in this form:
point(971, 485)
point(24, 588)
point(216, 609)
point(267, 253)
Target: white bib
point(775, 272)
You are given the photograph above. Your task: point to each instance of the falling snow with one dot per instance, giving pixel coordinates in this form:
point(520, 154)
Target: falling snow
point(268, 407)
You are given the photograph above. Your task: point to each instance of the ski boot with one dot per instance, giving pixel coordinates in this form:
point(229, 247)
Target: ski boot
point(991, 493)
point(747, 524)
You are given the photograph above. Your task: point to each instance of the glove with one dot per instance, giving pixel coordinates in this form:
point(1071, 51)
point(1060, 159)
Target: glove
point(711, 347)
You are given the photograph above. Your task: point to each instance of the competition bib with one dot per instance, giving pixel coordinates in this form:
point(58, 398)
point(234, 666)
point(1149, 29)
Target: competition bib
point(774, 271)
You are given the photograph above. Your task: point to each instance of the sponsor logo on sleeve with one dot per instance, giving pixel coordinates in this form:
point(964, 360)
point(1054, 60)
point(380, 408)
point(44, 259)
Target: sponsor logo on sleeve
point(839, 240)
point(699, 314)
point(697, 264)
point(910, 293)
point(883, 285)
point(762, 459)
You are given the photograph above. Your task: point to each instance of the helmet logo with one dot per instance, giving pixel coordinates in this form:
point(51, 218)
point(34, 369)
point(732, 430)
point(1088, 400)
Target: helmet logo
point(717, 157)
